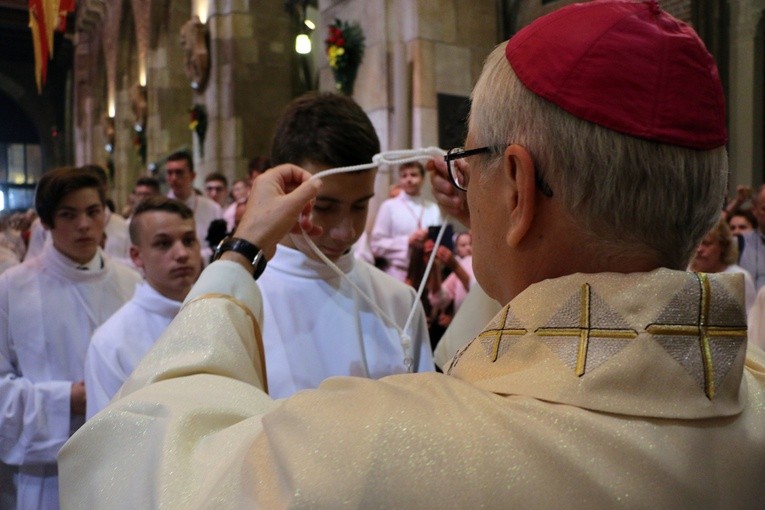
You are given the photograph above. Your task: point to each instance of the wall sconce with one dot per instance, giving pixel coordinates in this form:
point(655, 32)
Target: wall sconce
point(195, 39)
point(109, 134)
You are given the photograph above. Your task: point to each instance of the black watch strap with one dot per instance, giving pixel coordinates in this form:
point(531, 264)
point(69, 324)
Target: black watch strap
point(251, 252)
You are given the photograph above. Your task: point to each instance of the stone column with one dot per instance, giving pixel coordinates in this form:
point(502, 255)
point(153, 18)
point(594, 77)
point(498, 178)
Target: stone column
point(745, 98)
point(252, 75)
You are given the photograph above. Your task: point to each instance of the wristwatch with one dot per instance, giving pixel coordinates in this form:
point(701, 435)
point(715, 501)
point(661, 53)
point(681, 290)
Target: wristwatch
point(251, 252)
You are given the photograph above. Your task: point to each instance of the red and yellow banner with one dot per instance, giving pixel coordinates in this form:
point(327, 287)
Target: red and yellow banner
point(45, 17)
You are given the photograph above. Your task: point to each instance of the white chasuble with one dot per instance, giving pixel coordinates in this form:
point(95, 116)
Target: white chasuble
point(587, 391)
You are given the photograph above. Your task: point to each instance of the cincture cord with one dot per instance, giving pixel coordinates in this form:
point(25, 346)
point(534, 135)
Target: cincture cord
point(397, 157)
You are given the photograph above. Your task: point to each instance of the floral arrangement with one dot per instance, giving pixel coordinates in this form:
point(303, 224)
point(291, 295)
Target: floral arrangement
point(345, 49)
point(198, 123)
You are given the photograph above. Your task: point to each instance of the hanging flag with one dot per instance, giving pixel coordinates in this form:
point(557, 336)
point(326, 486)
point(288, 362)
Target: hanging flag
point(39, 29)
point(64, 8)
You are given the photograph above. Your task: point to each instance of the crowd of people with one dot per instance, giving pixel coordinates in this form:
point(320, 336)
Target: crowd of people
point(594, 354)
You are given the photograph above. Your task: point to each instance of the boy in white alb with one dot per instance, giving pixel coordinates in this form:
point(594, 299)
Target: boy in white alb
point(316, 324)
point(403, 220)
point(166, 249)
point(49, 307)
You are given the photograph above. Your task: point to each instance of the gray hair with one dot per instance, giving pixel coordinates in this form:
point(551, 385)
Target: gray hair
point(625, 192)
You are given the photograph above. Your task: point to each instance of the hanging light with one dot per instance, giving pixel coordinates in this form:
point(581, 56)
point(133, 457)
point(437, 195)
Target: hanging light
point(303, 44)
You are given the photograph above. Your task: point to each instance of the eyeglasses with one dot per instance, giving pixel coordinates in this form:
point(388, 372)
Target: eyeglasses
point(460, 179)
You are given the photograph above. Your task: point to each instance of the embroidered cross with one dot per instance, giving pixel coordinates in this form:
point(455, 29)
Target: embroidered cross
point(703, 330)
point(585, 331)
point(495, 334)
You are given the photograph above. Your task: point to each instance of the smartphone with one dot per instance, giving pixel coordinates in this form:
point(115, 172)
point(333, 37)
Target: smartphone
point(447, 239)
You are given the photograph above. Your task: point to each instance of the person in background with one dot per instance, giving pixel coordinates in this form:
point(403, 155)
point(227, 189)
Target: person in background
point(49, 307)
point(257, 166)
point(166, 250)
point(239, 193)
point(718, 253)
point(446, 295)
point(741, 221)
point(144, 188)
point(179, 170)
point(612, 377)
point(402, 222)
point(216, 188)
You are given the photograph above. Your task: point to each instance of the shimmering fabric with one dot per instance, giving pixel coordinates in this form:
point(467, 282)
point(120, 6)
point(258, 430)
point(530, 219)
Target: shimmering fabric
point(514, 428)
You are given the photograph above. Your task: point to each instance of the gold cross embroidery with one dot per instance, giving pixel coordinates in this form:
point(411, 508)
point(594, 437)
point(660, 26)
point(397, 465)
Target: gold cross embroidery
point(703, 331)
point(585, 331)
point(496, 334)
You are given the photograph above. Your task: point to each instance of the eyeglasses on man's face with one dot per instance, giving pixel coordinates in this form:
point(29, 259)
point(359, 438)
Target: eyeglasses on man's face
point(460, 179)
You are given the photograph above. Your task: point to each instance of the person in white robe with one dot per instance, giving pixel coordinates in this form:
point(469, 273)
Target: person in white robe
point(611, 377)
point(403, 220)
point(116, 245)
point(165, 248)
point(336, 330)
point(49, 307)
point(179, 171)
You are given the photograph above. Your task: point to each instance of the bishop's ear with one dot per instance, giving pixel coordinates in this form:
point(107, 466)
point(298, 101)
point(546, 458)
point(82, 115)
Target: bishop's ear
point(518, 169)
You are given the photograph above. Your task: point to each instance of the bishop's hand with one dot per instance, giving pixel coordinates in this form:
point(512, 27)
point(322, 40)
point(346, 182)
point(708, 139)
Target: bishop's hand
point(280, 202)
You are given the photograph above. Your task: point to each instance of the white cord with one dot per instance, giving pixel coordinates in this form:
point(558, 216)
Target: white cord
point(398, 157)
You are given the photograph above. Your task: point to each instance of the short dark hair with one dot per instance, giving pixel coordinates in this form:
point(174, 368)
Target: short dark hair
point(413, 164)
point(325, 129)
point(258, 164)
point(58, 183)
point(216, 176)
point(157, 203)
point(99, 172)
point(149, 182)
point(746, 213)
point(182, 156)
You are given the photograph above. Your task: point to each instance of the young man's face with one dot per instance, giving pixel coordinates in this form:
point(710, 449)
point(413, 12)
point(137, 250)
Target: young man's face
point(180, 178)
point(240, 191)
point(142, 192)
point(216, 191)
point(78, 225)
point(410, 180)
point(340, 209)
point(167, 252)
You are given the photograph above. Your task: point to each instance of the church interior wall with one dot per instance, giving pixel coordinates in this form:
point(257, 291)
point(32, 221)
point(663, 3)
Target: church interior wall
point(416, 51)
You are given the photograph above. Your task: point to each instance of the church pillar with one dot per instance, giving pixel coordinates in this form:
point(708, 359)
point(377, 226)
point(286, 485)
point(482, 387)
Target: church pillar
point(745, 104)
point(252, 66)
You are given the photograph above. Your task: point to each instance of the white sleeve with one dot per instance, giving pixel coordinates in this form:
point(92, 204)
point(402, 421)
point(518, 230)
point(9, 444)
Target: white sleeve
point(35, 416)
point(382, 241)
point(102, 381)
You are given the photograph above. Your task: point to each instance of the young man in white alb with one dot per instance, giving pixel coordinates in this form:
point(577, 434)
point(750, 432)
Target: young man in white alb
point(165, 248)
point(317, 324)
point(49, 307)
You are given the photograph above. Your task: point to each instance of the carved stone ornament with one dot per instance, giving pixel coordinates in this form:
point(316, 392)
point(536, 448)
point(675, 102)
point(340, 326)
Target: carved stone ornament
point(195, 42)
